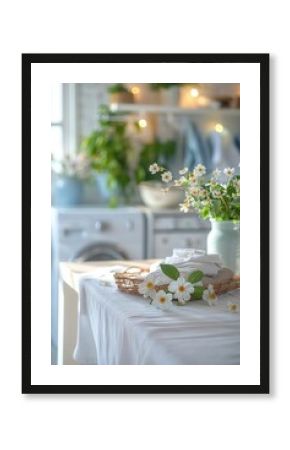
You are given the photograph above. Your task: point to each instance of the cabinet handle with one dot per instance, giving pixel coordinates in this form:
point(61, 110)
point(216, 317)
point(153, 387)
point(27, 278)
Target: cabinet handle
point(100, 226)
point(130, 225)
point(68, 231)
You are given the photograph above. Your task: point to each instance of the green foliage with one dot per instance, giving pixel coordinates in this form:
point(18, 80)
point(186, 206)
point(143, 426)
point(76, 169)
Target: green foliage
point(113, 202)
point(108, 149)
point(170, 271)
point(195, 276)
point(117, 88)
point(198, 292)
point(157, 151)
point(159, 86)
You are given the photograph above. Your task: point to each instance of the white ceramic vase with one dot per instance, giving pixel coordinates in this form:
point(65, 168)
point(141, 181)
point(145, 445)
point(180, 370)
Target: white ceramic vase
point(224, 240)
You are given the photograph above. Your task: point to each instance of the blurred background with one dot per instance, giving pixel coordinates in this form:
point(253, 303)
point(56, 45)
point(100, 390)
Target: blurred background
point(106, 205)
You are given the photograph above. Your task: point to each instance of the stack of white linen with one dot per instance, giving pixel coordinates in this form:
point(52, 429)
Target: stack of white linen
point(210, 265)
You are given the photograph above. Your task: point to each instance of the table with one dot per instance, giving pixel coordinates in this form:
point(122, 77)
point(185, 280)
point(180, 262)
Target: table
point(118, 328)
point(68, 302)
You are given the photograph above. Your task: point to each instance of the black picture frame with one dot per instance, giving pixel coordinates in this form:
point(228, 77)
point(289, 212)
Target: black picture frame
point(263, 61)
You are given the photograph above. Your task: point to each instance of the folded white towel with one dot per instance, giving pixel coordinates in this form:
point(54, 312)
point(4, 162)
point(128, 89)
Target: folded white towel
point(208, 264)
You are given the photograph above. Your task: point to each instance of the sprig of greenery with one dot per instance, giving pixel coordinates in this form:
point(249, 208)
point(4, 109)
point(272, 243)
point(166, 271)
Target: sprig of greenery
point(159, 86)
point(117, 88)
point(194, 277)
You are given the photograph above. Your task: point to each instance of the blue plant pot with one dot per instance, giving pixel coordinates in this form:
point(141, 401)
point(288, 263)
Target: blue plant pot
point(103, 192)
point(66, 191)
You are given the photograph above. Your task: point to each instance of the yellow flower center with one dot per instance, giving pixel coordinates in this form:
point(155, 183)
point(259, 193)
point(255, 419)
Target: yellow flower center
point(162, 300)
point(150, 285)
point(181, 288)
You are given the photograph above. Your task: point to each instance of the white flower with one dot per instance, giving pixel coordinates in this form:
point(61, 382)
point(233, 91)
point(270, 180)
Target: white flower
point(209, 295)
point(183, 171)
point(166, 176)
point(199, 170)
point(216, 173)
point(182, 290)
point(180, 181)
point(232, 307)
point(154, 168)
point(194, 191)
point(183, 207)
point(202, 192)
point(162, 300)
point(229, 172)
point(192, 178)
point(147, 287)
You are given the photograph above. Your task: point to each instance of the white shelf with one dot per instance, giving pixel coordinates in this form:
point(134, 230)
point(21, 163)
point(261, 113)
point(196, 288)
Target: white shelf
point(166, 109)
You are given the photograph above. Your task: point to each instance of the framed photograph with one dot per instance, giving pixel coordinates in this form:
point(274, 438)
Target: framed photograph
point(145, 221)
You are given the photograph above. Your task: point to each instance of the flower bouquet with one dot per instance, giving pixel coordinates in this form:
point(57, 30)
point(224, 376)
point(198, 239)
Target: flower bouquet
point(77, 167)
point(68, 175)
point(215, 197)
point(211, 196)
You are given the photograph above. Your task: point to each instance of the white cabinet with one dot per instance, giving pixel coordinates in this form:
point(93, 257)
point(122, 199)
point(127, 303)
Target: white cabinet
point(169, 229)
point(164, 243)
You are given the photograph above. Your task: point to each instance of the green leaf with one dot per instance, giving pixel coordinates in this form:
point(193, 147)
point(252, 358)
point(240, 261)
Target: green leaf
point(197, 294)
point(113, 202)
point(195, 276)
point(170, 271)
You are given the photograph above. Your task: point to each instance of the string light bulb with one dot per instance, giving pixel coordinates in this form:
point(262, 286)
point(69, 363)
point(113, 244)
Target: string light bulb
point(142, 123)
point(194, 92)
point(219, 128)
point(135, 90)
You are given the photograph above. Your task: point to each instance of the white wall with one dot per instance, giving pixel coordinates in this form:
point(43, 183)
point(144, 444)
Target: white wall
point(88, 97)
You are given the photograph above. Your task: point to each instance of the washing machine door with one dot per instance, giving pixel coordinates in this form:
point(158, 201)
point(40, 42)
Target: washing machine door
point(100, 252)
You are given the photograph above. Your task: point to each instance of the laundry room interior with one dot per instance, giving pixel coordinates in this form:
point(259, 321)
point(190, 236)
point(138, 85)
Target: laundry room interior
point(118, 155)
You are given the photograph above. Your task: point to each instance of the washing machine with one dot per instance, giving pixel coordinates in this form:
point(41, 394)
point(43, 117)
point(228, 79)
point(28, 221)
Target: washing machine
point(93, 234)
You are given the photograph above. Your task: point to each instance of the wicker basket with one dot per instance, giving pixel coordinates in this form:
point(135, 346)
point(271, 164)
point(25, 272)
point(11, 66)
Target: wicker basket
point(129, 281)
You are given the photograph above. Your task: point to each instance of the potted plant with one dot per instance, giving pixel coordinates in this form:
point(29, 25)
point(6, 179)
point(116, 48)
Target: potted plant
point(120, 94)
point(169, 92)
point(68, 175)
point(108, 149)
point(216, 198)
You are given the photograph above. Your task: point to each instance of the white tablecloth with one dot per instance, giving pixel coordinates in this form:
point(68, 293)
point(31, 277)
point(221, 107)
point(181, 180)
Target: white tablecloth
point(118, 328)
